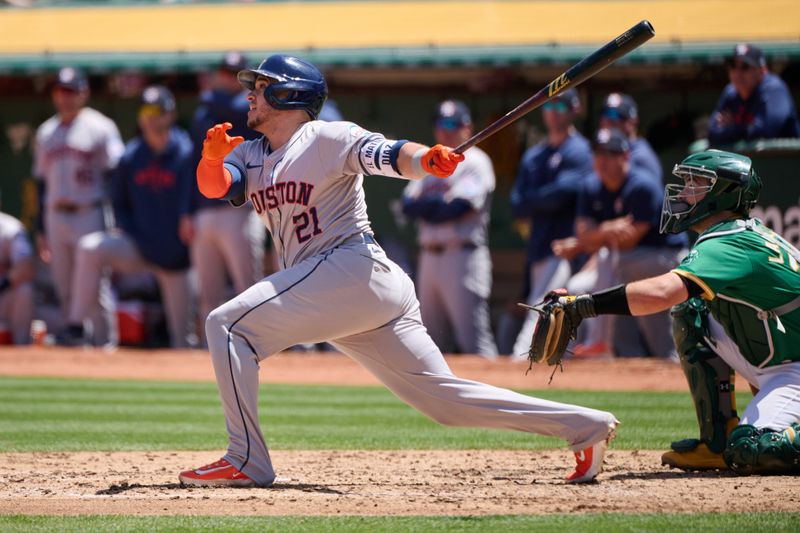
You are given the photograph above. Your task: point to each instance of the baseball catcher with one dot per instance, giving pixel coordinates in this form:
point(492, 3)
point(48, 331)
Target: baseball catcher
point(735, 306)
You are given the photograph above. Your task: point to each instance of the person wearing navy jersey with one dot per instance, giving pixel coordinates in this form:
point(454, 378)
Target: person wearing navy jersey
point(756, 104)
point(150, 192)
point(621, 112)
point(617, 220)
point(544, 197)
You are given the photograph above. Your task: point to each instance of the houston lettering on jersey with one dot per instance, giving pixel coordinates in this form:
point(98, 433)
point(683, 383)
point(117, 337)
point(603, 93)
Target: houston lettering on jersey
point(285, 192)
point(154, 177)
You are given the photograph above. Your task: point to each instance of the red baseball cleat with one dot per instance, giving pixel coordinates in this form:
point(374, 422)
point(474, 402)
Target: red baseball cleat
point(219, 474)
point(590, 461)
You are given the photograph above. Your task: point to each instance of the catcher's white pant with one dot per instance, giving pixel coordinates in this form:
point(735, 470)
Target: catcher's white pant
point(777, 404)
point(358, 299)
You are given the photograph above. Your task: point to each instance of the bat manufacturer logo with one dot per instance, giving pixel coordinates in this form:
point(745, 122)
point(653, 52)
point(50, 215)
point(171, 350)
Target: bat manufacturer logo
point(557, 85)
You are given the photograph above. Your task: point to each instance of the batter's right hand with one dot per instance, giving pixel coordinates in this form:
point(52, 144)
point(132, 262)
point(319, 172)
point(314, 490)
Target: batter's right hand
point(218, 143)
point(441, 161)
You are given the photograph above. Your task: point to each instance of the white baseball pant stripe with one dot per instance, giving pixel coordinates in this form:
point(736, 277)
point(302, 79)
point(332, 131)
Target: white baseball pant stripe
point(354, 296)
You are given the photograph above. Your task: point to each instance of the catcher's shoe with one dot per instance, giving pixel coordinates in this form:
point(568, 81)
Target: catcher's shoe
point(219, 474)
point(699, 458)
point(590, 460)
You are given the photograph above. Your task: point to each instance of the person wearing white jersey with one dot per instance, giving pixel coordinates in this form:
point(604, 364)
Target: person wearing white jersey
point(454, 276)
point(16, 279)
point(304, 178)
point(74, 152)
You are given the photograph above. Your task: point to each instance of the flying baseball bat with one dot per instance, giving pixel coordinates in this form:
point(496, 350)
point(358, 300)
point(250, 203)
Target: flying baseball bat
point(585, 69)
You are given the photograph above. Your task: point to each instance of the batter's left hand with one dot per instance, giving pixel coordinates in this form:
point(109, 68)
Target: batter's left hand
point(218, 143)
point(441, 161)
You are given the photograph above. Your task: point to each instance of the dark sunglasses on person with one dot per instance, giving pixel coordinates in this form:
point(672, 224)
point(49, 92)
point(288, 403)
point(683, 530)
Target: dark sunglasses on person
point(449, 124)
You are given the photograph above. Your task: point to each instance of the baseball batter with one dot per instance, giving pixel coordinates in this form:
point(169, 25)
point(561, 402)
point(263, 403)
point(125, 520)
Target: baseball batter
point(74, 151)
point(304, 178)
point(455, 267)
point(749, 277)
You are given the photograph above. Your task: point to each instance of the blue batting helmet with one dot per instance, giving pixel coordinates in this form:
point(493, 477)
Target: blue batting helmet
point(300, 84)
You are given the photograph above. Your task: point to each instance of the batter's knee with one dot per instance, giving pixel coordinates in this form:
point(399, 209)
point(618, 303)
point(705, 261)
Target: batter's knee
point(751, 450)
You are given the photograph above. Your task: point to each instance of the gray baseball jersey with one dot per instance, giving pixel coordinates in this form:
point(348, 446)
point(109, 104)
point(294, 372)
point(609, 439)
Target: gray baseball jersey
point(73, 158)
point(16, 303)
point(454, 277)
point(339, 286)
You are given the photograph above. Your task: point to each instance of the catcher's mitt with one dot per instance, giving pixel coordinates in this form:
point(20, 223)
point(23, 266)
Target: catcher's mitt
point(560, 316)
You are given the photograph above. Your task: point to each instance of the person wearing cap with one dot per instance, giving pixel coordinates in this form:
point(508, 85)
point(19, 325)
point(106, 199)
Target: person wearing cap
point(756, 104)
point(151, 190)
point(620, 112)
point(617, 220)
point(454, 277)
point(222, 235)
point(544, 198)
point(74, 152)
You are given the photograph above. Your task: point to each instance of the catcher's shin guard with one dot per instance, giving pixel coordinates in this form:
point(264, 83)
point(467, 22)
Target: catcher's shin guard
point(711, 384)
point(763, 451)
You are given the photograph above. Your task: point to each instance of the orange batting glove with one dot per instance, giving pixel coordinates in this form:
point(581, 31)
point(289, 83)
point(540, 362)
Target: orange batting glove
point(441, 161)
point(218, 143)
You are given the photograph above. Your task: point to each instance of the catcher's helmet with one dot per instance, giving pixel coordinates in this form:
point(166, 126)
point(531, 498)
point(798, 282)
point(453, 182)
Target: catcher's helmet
point(300, 85)
point(729, 183)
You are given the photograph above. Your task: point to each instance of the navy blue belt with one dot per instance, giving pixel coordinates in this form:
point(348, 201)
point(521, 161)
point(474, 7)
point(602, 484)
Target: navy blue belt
point(441, 248)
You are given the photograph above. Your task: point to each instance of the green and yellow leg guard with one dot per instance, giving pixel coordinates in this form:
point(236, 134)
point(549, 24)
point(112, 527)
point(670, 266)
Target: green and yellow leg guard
point(763, 451)
point(711, 384)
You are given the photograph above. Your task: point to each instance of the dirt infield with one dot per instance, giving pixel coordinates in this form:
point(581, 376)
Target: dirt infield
point(418, 482)
point(327, 369)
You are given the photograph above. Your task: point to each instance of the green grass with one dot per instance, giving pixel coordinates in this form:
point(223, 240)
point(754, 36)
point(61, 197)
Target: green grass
point(38, 414)
point(600, 523)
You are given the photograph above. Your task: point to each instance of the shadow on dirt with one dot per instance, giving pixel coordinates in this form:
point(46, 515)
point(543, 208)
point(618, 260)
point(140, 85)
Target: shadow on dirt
point(672, 474)
point(124, 487)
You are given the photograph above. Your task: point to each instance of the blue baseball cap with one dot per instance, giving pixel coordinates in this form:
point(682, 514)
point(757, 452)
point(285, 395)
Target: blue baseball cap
point(569, 97)
point(234, 61)
point(611, 140)
point(619, 106)
point(157, 100)
point(749, 54)
point(72, 79)
point(452, 114)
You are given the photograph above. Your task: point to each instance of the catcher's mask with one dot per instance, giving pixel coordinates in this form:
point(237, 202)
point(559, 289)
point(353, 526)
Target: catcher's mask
point(713, 181)
point(296, 83)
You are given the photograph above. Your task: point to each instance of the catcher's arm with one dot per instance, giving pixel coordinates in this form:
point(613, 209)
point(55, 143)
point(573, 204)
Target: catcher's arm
point(561, 313)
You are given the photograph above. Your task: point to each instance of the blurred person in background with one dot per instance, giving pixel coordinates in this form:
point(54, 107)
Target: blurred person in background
point(151, 192)
point(454, 277)
point(617, 220)
point(16, 281)
point(544, 197)
point(620, 112)
point(222, 236)
point(756, 104)
point(74, 152)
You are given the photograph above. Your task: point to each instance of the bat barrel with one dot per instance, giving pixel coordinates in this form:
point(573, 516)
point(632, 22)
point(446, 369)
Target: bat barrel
point(581, 71)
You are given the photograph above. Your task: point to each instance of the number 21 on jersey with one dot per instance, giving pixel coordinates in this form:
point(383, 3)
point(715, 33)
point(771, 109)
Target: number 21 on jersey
point(306, 225)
